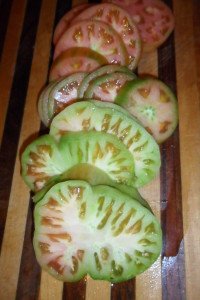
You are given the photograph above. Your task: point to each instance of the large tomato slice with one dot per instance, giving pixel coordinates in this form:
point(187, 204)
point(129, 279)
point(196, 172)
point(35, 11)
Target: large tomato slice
point(97, 36)
point(98, 231)
point(113, 119)
point(121, 21)
point(76, 59)
point(45, 160)
point(154, 19)
point(65, 21)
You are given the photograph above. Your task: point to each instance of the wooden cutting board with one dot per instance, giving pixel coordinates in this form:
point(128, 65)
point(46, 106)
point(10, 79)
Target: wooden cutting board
point(25, 50)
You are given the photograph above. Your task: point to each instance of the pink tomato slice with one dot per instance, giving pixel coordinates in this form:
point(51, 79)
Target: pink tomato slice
point(65, 21)
point(154, 19)
point(96, 35)
point(121, 21)
point(75, 60)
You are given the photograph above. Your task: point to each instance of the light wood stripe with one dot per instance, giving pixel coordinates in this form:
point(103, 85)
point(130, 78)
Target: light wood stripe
point(9, 55)
point(189, 112)
point(50, 288)
point(19, 197)
point(150, 280)
point(97, 289)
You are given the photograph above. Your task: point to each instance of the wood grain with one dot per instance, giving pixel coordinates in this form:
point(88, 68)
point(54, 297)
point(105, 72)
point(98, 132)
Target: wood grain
point(9, 55)
point(187, 68)
point(19, 197)
point(174, 195)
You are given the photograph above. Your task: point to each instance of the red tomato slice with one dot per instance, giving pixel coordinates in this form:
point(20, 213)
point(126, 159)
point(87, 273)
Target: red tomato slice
point(76, 60)
point(154, 19)
point(65, 21)
point(121, 21)
point(97, 36)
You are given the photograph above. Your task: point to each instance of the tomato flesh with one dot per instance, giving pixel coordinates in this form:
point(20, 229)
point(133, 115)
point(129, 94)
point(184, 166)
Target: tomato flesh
point(64, 93)
point(153, 18)
point(121, 21)
point(76, 59)
point(106, 87)
point(153, 104)
point(65, 21)
point(97, 36)
point(98, 231)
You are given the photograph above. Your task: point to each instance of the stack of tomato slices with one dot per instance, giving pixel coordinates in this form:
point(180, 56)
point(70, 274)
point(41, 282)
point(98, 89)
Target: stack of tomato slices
point(105, 126)
point(89, 36)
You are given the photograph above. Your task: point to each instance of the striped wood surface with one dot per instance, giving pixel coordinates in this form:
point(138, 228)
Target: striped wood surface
point(26, 28)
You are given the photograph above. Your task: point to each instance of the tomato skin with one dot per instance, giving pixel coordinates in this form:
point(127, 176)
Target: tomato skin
point(76, 59)
point(66, 20)
point(154, 19)
point(121, 22)
point(97, 36)
point(43, 103)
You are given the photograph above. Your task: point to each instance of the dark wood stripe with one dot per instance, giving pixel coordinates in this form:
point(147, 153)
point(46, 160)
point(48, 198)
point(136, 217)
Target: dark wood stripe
point(72, 291)
point(173, 272)
point(94, 1)
point(30, 272)
point(123, 291)
point(14, 115)
point(5, 8)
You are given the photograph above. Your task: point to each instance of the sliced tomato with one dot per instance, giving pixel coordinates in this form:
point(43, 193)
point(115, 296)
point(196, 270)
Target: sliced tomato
point(106, 87)
point(113, 119)
point(121, 21)
point(154, 19)
point(63, 93)
point(76, 59)
point(98, 231)
point(97, 36)
point(153, 104)
point(45, 161)
point(43, 103)
point(108, 69)
point(65, 21)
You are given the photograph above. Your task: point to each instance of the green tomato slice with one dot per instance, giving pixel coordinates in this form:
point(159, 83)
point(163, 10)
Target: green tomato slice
point(88, 115)
point(94, 176)
point(45, 161)
point(153, 103)
point(43, 109)
point(98, 231)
